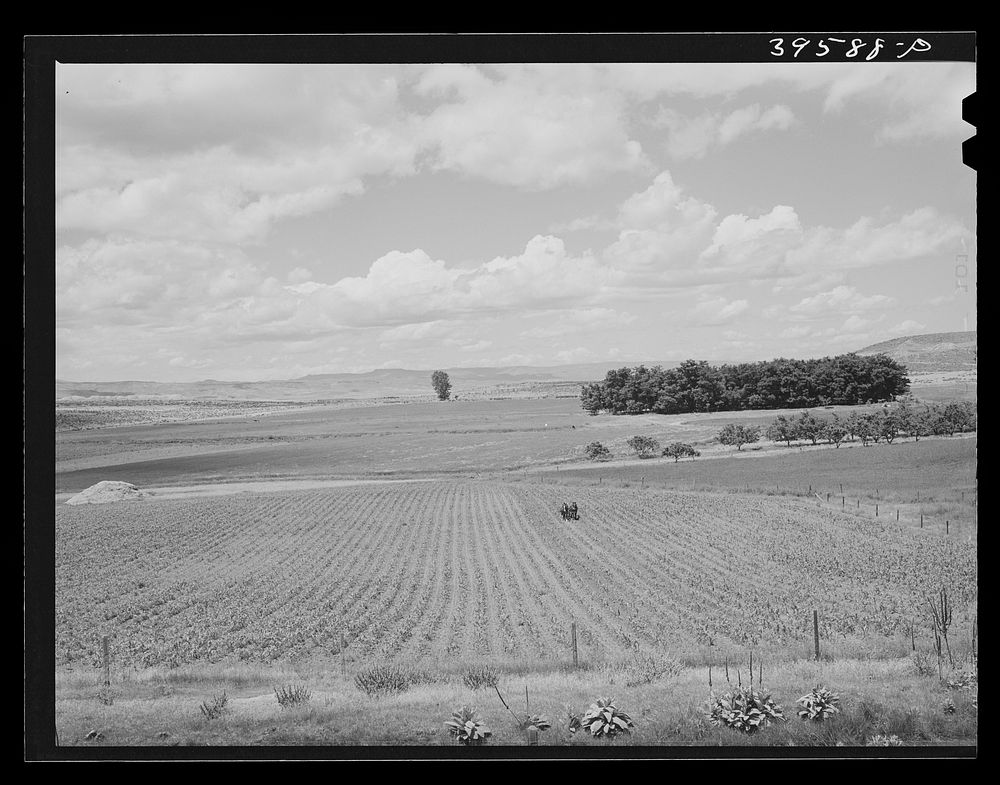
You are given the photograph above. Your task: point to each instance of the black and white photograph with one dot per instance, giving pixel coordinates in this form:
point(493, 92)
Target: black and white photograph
point(457, 396)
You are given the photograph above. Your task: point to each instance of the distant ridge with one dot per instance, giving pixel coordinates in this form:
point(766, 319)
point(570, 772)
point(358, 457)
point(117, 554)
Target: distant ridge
point(930, 352)
point(380, 383)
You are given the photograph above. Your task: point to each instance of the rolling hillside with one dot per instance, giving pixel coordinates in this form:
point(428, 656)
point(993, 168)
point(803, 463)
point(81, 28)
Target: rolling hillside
point(931, 352)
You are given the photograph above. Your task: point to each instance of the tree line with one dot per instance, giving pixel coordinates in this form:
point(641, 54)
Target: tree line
point(907, 419)
point(696, 386)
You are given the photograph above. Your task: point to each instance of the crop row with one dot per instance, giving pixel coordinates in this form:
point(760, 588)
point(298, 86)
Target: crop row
point(479, 570)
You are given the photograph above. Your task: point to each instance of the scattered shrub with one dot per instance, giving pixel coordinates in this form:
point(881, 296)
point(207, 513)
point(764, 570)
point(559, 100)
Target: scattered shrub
point(678, 450)
point(466, 729)
point(948, 707)
point(216, 708)
point(923, 663)
point(479, 676)
point(818, 705)
point(643, 446)
point(385, 679)
point(597, 452)
point(292, 695)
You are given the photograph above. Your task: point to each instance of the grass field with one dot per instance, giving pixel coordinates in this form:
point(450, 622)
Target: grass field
point(161, 709)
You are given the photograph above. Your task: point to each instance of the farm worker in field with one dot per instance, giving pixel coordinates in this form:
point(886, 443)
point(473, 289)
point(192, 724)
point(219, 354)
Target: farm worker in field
point(573, 513)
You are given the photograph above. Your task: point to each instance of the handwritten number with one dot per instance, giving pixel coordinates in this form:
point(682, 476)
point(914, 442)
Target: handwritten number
point(856, 44)
point(778, 51)
point(876, 49)
point(800, 44)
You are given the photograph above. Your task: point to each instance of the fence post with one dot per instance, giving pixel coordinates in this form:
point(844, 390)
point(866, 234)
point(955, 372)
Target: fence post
point(572, 635)
point(921, 520)
point(816, 632)
point(107, 661)
point(828, 498)
point(897, 515)
point(343, 656)
point(946, 523)
point(843, 502)
point(876, 510)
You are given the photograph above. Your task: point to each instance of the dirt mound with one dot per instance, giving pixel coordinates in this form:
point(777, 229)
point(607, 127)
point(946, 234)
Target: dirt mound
point(107, 491)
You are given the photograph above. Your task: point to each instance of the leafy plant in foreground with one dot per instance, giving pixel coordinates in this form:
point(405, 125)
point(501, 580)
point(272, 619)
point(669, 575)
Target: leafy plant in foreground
point(466, 729)
point(605, 719)
point(746, 709)
point(818, 705)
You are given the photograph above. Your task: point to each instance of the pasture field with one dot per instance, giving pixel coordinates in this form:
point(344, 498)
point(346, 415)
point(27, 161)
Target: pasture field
point(417, 439)
point(934, 477)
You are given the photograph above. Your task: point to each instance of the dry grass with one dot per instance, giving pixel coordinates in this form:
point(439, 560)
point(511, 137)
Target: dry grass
point(877, 697)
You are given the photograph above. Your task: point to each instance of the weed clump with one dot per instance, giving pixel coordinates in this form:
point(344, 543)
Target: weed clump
point(378, 680)
point(292, 695)
point(216, 708)
point(478, 677)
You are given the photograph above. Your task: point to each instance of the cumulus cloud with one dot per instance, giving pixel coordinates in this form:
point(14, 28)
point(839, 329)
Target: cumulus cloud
point(682, 241)
point(693, 137)
point(717, 310)
point(840, 299)
point(907, 327)
point(511, 127)
point(660, 228)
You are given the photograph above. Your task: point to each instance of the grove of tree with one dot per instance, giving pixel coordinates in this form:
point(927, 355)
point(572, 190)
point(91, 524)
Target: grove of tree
point(696, 386)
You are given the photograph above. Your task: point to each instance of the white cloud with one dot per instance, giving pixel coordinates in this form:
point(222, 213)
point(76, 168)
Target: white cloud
point(840, 299)
point(661, 228)
point(507, 125)
point(907, 327)
point(680, 240)
point(717, 310)
point(693, 137)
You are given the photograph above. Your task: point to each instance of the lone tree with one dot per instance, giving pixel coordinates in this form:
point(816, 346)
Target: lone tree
point(679, 450)
point(739, 434)
point(644, 446)
point(598, 452)
point(442, 385)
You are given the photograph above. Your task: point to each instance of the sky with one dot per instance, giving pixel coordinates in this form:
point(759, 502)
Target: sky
point(256, 222)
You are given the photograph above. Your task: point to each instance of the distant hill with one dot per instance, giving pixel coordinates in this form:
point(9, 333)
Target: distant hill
point(381, 383)
point(931, 352)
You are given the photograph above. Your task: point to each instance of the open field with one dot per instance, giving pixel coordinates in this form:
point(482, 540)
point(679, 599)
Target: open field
point(934, 477)
point(416, 439)
point(265, 548)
